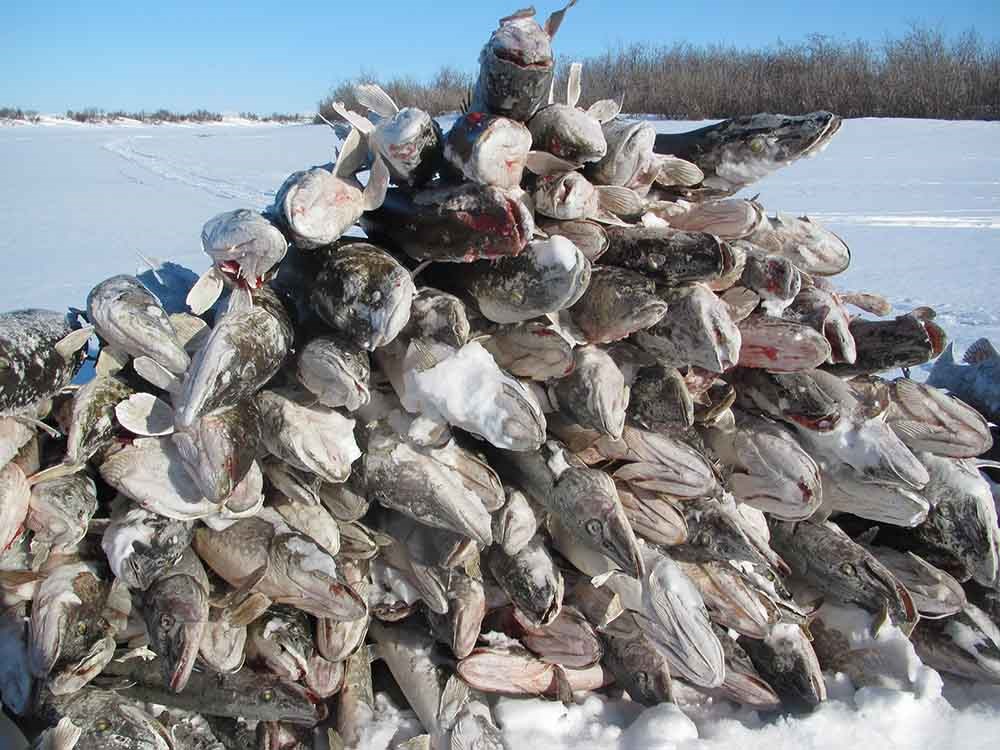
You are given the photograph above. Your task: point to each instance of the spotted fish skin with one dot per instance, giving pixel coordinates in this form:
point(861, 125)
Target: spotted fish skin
point(31, 369)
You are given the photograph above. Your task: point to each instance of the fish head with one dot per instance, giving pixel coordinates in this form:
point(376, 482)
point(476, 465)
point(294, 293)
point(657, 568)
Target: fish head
point(219, 448)
point(592, 511)
point(594, 394)
point(569, 195)
point(410, 142)
point(306, 576)
point(716, 533)
point(129, 317)
point(870, 584)
point(336, 371)
point(752, 147)
point(520, 39)
point(243, 244)
point(121, 725)
point(176, 611)
point(569, 133)
point(629, 159)
point(438, 316)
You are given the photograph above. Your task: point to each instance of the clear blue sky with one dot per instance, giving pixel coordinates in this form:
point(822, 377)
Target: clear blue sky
point(283, 56)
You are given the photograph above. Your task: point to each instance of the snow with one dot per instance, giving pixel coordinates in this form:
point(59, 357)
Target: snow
point(918, 201)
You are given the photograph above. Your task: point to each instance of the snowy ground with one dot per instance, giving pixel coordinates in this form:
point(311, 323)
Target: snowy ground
point(917, 201)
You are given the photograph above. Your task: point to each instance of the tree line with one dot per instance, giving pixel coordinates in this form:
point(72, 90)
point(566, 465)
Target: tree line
point(922, 73)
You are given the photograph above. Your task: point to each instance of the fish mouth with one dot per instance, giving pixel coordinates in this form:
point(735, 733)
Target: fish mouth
point(190, 640)
point(823, 423)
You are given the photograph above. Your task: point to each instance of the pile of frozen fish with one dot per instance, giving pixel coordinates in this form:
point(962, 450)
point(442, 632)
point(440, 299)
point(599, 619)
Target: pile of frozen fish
point(569, 418)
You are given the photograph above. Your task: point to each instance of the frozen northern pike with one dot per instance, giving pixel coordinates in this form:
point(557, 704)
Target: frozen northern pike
point(244, 350)
point(738, 152)
point(458, 224)
point(243, 693)
point(39, 355)
point(516, 65)
point(976, 382)
point(130, 319)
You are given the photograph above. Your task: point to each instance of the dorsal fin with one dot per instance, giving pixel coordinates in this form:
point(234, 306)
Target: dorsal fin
point(73, 341)
point(980, 351)
point(528, 12)
point(573, 85)
point(374, 97)
point(554, 21)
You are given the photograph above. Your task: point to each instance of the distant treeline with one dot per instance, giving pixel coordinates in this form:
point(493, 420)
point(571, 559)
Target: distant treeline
point(923, 73)
point(92, 114)
point(16, 113)
point(96, 115)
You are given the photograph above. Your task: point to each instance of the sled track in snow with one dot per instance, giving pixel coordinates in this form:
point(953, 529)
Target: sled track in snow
point(127, 149)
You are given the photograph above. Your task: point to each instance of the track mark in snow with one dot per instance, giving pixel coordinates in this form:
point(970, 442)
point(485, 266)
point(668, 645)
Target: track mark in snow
point(969, 219)
point(186, 175)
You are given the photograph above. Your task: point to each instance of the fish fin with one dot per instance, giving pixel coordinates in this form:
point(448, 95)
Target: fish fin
point(573, 86)
point(240, 300)
point(111, 361)
point(206, 291)
point(191, 331)
point(621, 201)
point(154, 268)
point(360, 123)
point(248, 610)
point(156, 374)
point(528, 12)
point(600, 580)
point(374, 97)
point(981, 463)
point(980, 351)
point(912, 430)
point(38, 424)
point(552, 90)
point(466, 101)
point(605, 110)
point(334, 741)
point(423, 356)
point(145, 414)
point(56, 472)
point(947, 357)
point(64, 736)
point(554, 21)
point(420, 742)
point(378, 184)
point(419, 268)
point(544, 163)
point(454, 696)
point(676, 171)
point(876, 304)
point(867, 536)
point(73, 341)
point(352, 155)
point(564, 690)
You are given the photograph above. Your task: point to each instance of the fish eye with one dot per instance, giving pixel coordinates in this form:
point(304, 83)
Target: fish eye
point(267, 696)
point(81, 628)
point(757, 144)
point(102, 727)
point(769, 575)
point(702, 539)
point(594, 527)
point(847, 569)
point(642, 679)
point(167, 622)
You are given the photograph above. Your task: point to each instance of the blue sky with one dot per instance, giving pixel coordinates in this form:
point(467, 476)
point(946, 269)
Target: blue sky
point(283, 56)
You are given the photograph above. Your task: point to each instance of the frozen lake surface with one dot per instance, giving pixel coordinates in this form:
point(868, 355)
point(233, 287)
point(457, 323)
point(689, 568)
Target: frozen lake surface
point(917, 201)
